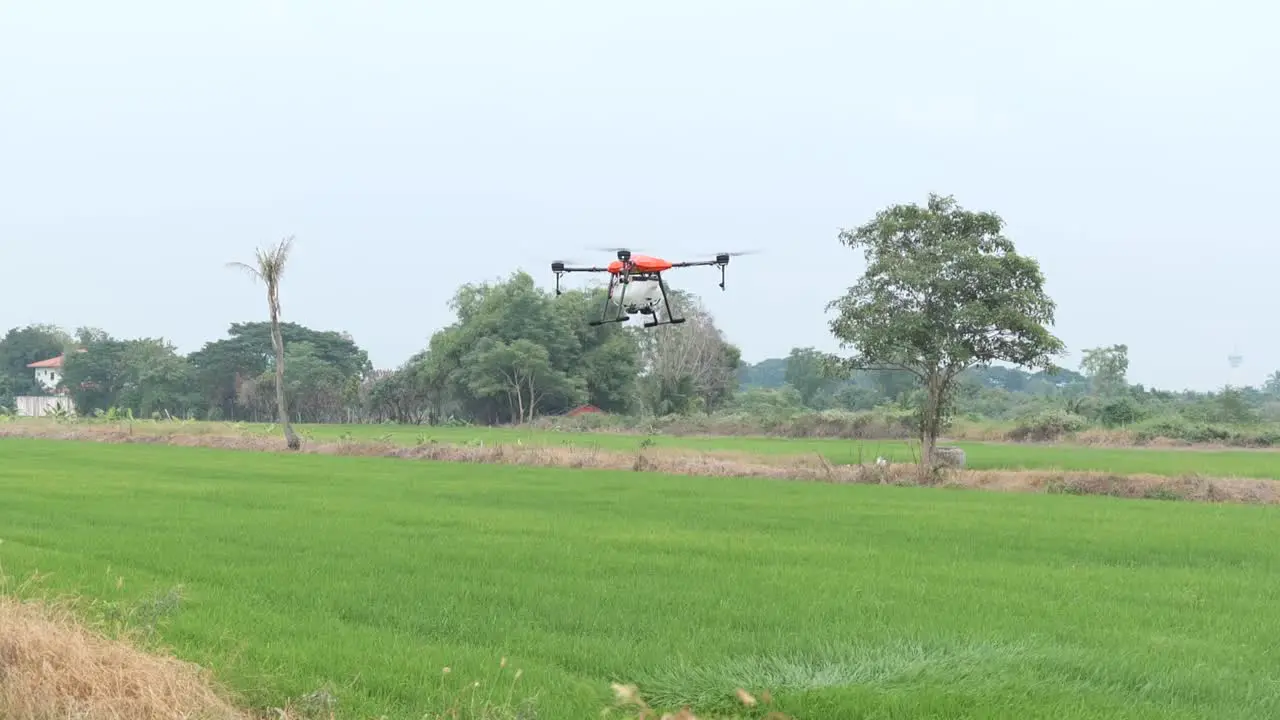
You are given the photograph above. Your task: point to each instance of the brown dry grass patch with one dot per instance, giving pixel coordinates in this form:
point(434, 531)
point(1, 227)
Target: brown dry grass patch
point(679, 461)
point(54, 668)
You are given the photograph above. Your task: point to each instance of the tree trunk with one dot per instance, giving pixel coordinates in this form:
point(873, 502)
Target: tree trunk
point(928, 442)
point(929, 421)
point(291, 439)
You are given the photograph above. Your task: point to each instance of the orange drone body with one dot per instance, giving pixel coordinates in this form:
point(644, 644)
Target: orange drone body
point(636, 286)
point(641, 263)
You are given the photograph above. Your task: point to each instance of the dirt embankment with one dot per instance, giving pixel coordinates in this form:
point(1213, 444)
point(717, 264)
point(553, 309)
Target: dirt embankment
point(812, 468)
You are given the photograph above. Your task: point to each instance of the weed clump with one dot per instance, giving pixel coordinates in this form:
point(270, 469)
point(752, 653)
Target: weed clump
point(627, 697)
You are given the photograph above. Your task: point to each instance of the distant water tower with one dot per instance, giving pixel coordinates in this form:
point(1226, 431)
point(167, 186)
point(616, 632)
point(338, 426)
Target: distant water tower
point(1235, 360)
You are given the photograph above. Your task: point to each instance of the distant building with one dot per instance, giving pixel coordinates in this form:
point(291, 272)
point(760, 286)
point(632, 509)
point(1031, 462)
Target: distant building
point(48, 372)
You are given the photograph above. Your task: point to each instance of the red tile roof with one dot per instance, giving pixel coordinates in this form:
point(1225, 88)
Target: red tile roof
point(55, 362)
point(50, 363)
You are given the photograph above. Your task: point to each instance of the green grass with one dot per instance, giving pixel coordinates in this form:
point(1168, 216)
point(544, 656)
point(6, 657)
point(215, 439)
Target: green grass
point(983, 456)
point(371, 574)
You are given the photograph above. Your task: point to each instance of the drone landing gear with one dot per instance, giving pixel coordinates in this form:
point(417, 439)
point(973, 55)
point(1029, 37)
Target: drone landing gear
point(623, 317)
point(671, 318)
point(621, 283)
point(656, 322)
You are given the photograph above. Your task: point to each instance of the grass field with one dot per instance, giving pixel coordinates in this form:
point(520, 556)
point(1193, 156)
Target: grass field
point(372, 574)
point(980, 456)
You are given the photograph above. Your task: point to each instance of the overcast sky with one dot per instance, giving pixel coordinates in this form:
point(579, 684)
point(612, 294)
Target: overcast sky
point(412, 146)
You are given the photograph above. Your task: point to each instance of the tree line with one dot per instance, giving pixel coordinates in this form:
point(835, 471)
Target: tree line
point(330, 378)
point(947, 318)
point(514, 352)
point(1097, 393)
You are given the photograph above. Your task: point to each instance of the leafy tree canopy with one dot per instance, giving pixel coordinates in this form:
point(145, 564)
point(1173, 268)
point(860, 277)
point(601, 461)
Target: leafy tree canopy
point(222, 366)
point(944, 290)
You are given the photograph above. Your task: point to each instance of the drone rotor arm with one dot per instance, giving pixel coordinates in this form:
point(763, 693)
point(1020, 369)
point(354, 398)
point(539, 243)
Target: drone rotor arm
point(722, 260)
point(694, 263)
point(559, 268)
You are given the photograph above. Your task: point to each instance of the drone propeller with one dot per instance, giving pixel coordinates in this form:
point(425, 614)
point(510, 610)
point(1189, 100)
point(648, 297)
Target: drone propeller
point(735, 254)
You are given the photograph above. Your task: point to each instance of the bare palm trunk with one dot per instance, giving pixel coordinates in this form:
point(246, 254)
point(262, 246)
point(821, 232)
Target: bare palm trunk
point(269, 269)
point(291, 438)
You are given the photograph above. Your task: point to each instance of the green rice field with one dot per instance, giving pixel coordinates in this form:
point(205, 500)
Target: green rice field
point(982, 456)
point(367, 576)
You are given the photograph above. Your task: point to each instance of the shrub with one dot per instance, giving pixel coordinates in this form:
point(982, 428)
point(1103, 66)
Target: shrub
point(1120, 412)
point(1189, 431)
point(1047, 425)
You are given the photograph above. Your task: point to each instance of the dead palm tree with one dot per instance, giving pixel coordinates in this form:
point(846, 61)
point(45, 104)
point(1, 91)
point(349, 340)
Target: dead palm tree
point(269, 268)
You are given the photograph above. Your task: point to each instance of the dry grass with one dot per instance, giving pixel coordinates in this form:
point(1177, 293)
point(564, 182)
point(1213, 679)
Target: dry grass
point(893, 425)
point(628, 697)
point(54, 668)
point(693, 462)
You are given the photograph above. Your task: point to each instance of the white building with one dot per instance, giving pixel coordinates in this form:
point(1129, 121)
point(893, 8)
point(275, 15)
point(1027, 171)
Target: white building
point(48, 372)
point(48, 375)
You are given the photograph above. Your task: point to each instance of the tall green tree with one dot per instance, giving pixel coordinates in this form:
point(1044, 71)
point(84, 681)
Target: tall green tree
point(414, 393)
point(225, 365)
point(1272, 384)
point(609, 359)
point(806, 372)
point(315, 389)
point(464, 362)
point(269, 267)
point(944, 290)
point(145, 375)
point(1106, 368)
point(520, 372)
point(768, 373)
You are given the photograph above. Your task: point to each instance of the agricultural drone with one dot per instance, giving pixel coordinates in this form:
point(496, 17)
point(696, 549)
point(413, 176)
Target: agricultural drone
point(637, 280)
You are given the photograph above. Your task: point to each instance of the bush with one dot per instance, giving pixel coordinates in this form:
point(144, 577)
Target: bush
point(1120, 412)
point(1047, 425)
point(1189, 431)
